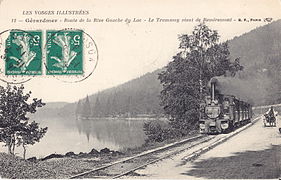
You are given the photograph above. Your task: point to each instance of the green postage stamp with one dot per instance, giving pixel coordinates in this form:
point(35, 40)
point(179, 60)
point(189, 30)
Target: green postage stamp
point(23, 53)
point(64, 52)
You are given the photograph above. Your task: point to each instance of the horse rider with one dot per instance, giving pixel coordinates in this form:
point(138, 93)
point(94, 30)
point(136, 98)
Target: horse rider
point(271, 113)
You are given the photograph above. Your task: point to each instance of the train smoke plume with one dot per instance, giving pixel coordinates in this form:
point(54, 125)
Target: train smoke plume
point(251, 90)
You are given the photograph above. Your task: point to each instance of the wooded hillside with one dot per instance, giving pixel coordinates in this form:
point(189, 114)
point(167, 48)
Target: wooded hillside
point(260, 54)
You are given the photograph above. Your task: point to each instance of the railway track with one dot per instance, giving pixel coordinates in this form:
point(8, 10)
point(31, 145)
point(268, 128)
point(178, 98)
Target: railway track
point(147, 157)
point(193, 147)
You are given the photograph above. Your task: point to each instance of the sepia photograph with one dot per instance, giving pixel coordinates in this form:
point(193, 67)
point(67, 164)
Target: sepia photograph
point(140, 89)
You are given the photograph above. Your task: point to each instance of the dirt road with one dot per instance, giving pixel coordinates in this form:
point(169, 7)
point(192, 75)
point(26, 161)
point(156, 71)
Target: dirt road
point(253, 153)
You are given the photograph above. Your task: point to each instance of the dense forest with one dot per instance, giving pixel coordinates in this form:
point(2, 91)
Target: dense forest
point(138, 97)
point(260, 54)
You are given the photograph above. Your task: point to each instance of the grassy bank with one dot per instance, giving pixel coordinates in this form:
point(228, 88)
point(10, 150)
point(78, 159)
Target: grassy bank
point(153, 145)
point(16, 167)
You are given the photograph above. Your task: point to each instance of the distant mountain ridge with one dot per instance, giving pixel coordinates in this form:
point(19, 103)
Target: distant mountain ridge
point(55, 105)
point(257, 49)
point(50, 109)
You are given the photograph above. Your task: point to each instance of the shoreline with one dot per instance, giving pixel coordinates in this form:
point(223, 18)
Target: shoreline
point(124, 118)
point(63, 166)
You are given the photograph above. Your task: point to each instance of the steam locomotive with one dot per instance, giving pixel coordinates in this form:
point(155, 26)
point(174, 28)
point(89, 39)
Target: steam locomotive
point(221, 113)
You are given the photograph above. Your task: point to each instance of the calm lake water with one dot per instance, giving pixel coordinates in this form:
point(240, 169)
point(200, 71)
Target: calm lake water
point(66, 135)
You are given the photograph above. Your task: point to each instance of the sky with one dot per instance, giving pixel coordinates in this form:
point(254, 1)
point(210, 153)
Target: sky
point(129, 50)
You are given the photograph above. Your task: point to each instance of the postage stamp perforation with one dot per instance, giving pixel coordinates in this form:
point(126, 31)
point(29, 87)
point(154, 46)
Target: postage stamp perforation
point(61, 52)
point(82, 54)
point(88, 64)
point(18, 53)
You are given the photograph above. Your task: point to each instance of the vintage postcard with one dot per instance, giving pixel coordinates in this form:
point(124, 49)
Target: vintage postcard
point(139, 89)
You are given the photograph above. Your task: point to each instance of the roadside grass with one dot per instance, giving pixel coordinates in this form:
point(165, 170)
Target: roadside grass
point(153, 145)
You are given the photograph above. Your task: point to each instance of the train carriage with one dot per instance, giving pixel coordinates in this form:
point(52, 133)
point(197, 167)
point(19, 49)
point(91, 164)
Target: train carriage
point(220, 113)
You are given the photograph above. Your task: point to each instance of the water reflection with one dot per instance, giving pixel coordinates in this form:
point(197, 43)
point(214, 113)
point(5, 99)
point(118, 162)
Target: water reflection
point(81, 135)
point(120, 132)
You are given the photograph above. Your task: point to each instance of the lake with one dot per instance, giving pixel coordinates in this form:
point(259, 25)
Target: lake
point(77, 135)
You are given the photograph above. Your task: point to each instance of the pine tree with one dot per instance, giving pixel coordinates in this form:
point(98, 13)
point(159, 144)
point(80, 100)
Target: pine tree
point(87, 108)
point(108, 107)
point(97, 108)
point(114, 107)
point(79, 108)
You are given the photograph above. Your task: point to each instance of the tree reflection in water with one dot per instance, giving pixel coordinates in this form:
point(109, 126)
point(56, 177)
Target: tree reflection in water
point(121, 132)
